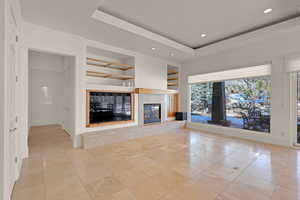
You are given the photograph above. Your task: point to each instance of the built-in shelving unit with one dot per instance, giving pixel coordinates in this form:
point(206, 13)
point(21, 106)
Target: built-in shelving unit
point(112, 76)
point(110, 69)
point(109, 72)
point(173, 79)
point(107, 64)
point(172, 84)
point(173, 73)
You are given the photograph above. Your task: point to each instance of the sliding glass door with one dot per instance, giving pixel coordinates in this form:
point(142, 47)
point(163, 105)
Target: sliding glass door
point(295, 106)
point(298, 109)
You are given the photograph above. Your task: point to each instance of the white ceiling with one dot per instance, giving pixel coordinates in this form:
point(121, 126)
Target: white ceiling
point(185, 21)
point(181, 21)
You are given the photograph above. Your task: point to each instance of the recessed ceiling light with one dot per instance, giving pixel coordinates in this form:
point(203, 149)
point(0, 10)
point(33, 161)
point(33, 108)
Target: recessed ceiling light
point(153, 48)
point(203, 35)
point(268, 10)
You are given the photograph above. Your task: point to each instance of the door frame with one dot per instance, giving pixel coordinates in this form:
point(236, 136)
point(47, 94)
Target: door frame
point(25, 52)
point(13, 82)
point(10, 10)
point(293, 109)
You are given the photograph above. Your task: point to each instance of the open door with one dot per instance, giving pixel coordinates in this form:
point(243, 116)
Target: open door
point(12, 101)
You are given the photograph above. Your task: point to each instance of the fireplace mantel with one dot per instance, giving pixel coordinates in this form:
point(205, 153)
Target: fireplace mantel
point(154, 91)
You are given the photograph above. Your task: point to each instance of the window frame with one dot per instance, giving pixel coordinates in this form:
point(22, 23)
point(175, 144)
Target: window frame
point(293, 107)
point(266, 71)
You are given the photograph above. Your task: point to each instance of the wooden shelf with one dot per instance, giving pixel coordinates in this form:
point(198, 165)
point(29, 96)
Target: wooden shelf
point(172, 72)
point(107, 64)
point(173, 79)
point(107, 75)
point(154, 91)
point(172, 84)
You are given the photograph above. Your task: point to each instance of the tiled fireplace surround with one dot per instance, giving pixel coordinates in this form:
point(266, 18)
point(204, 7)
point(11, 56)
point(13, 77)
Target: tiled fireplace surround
point(152, 99)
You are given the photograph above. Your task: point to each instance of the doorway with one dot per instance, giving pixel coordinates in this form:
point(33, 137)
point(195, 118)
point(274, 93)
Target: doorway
point(51, 90)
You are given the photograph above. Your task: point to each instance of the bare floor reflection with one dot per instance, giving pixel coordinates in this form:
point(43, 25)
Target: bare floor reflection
point(176, 164)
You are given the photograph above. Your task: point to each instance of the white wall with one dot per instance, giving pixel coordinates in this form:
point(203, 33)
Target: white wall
point(150, 73)
point(48, 40)
point(268, 48)
point(69, 95)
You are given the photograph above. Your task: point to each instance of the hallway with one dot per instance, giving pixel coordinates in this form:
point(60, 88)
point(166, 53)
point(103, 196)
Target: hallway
point(49, 167)
point(177, 164)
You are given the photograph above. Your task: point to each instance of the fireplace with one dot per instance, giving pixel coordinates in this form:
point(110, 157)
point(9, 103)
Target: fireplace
point(152, 113)
point(151, 108)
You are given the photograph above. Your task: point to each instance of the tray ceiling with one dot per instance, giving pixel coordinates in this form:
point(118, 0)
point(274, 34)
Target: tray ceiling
point(179, 21)
point(186, 21)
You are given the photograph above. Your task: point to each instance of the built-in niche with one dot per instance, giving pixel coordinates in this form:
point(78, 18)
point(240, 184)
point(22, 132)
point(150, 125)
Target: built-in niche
point(109, 68)
point(108, 107)
point(173, 77)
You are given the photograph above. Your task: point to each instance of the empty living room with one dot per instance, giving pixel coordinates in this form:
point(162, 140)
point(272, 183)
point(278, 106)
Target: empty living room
point(149, 100)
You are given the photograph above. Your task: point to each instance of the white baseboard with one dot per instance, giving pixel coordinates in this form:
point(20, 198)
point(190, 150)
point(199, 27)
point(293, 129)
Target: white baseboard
point(240, 133)
point(77, 141)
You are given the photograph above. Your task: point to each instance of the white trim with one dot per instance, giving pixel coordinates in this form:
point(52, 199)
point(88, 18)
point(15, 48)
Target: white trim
point(293, 63)
point(91, 86)
point(293, 109)
point(189, 116)
point(255, 71)
point(3, 102)
point(122, 24)
point(240, 133)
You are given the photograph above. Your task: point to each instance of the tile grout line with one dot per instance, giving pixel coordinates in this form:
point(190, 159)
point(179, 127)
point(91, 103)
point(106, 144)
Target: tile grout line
point(44, 175)
point(80, 180)
point(231, 182)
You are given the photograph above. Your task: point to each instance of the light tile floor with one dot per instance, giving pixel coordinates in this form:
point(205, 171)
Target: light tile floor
point(178, 164)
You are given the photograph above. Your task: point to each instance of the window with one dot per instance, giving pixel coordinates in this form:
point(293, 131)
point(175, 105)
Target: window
point(239, 103)
point(298, 108)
